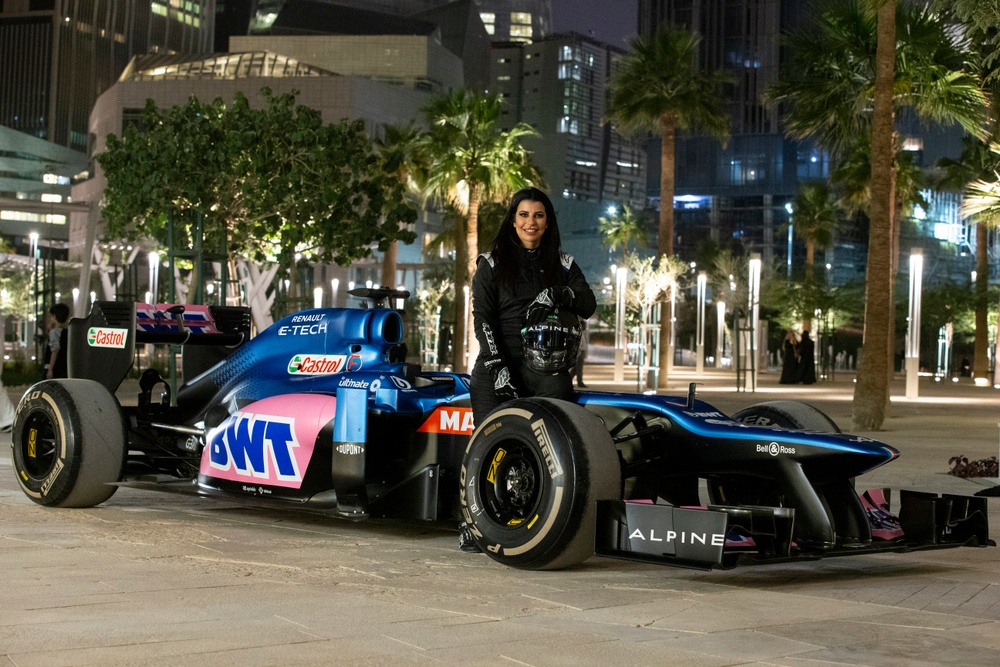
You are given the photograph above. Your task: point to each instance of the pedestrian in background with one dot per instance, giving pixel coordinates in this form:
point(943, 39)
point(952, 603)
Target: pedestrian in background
point(55, 348)
point(790, 358)
point(806, 373)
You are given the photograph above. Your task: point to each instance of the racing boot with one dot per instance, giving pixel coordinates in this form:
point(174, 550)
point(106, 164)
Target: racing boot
point(466, 542)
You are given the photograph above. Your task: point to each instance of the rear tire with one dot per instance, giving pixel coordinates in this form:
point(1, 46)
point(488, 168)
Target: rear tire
point(68, 443)
point(532, 475)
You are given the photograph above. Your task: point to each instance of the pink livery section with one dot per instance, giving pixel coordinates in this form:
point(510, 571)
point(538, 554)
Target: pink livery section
point(268, 442)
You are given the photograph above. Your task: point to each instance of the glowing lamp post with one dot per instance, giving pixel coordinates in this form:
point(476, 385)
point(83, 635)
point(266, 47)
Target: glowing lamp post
point(753, 309)
point(621, 278)
point(700, 326)
point(913, 323)
point(673, 325)
point(720, 332)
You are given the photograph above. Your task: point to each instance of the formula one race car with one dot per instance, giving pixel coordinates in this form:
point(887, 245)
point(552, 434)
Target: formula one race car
point(319, 412)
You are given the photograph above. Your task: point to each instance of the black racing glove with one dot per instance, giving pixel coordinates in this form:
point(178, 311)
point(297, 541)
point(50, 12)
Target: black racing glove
point(502, 385)
point(547, 301)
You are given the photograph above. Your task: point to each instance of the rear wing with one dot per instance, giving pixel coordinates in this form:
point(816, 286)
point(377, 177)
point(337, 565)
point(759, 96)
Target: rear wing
point(101, 346)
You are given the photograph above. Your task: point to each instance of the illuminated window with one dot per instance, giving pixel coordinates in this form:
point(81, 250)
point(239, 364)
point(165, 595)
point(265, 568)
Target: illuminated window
point(158, 9)
point(520, 26)
point(489, 22)
point(520, 33)
point(568, 125)
point(21, 216)
point(568, 71)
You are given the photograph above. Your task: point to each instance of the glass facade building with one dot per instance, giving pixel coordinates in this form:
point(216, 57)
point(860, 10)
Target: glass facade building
point(56, 57)
point(558, 85)
point(742, 193)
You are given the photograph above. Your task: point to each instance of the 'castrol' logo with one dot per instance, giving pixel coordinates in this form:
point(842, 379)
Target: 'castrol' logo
point(104, 337)
point(316, 364)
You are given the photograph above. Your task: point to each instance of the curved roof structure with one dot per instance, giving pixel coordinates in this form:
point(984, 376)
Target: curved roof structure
point(228, 66)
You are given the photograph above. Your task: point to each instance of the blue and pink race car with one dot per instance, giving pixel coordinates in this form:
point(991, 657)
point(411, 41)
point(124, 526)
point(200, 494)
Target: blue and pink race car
point(319, 412)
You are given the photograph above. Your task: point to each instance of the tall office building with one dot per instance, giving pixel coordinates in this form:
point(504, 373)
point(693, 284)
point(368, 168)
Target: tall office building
point(58, 56)
point(523, 21)
point(738, 192)
point(744, 191)
point(559, 86)
point(505, 20)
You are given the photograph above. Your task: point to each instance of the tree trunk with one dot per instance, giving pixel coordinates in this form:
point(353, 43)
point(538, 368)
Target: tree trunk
point(465, 266)
point(980, 361)
point(871, 390)
point(389, 265)
point(665, 239)
point(458, 338)
point(896, 229)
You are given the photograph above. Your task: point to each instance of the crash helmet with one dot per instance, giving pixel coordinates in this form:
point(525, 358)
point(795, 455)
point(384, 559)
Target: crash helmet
point(551, 345)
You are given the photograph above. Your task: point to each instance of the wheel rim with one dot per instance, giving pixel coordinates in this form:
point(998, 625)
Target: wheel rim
point(512, 483)
point(39, 449)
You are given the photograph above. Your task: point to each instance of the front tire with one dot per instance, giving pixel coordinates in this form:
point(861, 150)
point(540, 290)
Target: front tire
point(532, 475)
point(68, 443)
point(787, 414)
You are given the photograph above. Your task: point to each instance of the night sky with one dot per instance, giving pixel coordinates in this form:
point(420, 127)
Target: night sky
point(612, 21)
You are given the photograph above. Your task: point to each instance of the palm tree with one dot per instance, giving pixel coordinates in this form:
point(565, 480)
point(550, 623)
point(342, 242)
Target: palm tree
point(622, 228)
point(853, 175)
point(815, 218)
point(403, 151)
point(659, 87)
point(471, 158)
point(976, 172)
point(866, 60)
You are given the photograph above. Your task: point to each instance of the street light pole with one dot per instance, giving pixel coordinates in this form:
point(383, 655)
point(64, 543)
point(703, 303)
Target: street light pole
point(788, 261)
point(673, 325)
point(720, 332)
point(621, 276)
point(913, 323)
point(753, 310)
point(700, 325)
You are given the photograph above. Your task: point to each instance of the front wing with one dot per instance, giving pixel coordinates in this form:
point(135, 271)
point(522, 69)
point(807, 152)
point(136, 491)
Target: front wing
point(727, 536)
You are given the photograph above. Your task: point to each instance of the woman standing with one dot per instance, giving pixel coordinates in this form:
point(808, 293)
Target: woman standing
point(522, 280)
point(790, 359)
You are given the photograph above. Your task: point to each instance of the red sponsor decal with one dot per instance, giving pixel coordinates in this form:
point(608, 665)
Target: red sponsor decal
point(451, 421)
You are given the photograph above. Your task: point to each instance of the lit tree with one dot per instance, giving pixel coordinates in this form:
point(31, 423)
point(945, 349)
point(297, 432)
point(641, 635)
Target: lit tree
point(272, 183)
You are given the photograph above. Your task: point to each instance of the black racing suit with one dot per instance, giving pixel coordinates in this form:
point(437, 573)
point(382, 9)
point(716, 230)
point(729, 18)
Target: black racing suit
point(498, 314)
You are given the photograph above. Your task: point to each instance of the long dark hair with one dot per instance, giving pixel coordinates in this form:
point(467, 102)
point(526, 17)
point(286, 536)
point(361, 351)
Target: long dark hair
point(507, 248)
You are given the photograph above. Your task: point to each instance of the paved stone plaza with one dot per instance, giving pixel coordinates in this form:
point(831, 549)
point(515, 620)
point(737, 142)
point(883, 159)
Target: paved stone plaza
point(151, 578)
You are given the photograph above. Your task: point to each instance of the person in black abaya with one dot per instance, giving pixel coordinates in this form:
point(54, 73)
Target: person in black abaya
point(790, 358)
point(806, 373)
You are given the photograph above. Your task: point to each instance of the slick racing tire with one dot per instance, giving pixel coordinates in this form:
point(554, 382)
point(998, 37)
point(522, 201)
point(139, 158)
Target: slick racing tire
point(838, 497)
point(791, 415)
point(532, 475)
point(787, 414)
point(68, 443)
